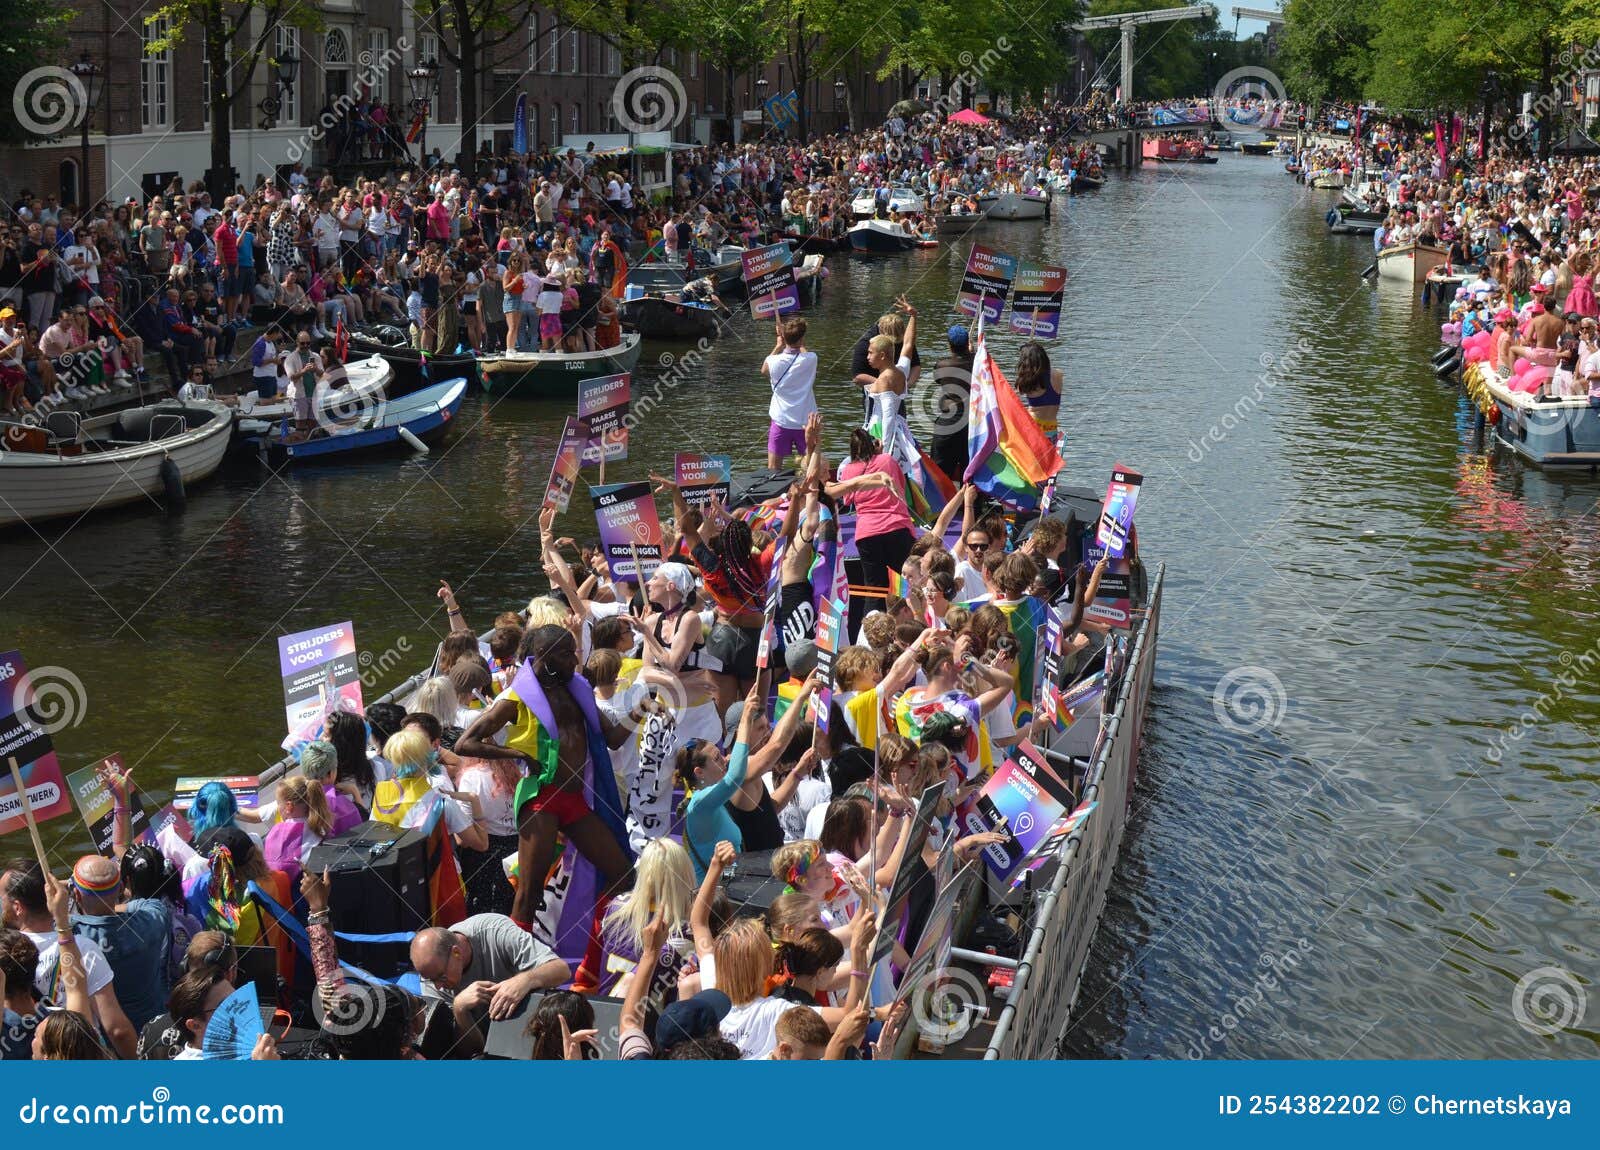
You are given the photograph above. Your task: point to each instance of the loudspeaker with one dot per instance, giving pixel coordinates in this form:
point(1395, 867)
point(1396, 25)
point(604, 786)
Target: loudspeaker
point(751, 887)
point(379, 878)
point(509, 1038)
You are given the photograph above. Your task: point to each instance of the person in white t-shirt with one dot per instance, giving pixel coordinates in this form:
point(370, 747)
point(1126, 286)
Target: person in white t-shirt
point(792, 371)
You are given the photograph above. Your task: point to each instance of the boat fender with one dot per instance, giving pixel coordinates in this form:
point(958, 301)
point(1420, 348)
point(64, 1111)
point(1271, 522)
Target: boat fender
point(417, 445)
point(172, 484)
point(1443, 354)
point(1371, 271)
point(1335, 218)
point(1447, 368)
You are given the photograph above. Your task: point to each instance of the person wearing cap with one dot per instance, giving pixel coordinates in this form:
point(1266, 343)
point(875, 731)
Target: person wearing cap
point(135, 936)
point(13, 375)
point(25, 905)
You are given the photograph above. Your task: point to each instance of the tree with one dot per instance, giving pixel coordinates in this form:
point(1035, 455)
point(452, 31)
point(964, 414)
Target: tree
point(474, 28)
point(219, 23)
point(35, 36)
point(734, 36)
point(1325, 49)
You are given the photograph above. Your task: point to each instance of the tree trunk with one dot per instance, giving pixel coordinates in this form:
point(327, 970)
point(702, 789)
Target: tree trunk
point(727, 98)
point(219, 180)
point(1546, 100)
point(467, 89)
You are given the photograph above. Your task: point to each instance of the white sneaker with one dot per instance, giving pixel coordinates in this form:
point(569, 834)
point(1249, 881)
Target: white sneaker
point(122, 380)
point(73, 393)
point(119, 377)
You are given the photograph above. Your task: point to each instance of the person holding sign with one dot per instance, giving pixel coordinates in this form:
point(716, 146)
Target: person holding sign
point(26, 1011)
point(792, 371)
point(673, 642)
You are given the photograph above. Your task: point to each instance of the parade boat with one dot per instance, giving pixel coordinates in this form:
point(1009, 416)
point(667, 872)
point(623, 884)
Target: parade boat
point(554, 374)
point(880, 237)
point(70, 465)
point(413, 421)
point(1410, 263)
point(1553, 433)
point(412, 369)
point(1171, 150)
point(1033, 204)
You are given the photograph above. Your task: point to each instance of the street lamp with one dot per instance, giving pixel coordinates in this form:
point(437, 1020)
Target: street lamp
point(93, 79)
point(423, 79)
point(285, 66)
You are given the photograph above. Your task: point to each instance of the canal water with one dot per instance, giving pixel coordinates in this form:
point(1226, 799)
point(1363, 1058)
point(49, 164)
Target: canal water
point(1365, 818)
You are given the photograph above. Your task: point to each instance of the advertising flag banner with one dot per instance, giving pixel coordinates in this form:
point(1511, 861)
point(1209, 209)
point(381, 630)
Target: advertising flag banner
point(769, 281)
point(701, 478)
point(321, 674)
point(24, 738)
point(602, 405)
point(1036, 300)
point(988, 277)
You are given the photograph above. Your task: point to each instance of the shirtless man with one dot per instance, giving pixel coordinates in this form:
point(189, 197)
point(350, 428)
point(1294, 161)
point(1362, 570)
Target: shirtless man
point(551, 797)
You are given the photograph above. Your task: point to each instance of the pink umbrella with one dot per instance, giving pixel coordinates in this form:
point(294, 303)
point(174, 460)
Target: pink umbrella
point(968, 116)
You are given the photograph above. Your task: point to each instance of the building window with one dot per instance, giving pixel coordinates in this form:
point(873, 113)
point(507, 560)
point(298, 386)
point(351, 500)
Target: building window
point(155, 77)
point(428, 47)
point(553, 56)
point(67, 182)
point(1591, 98)
point(286, 39)
point(533, 41)
point(376, 74)
point(572, 51)
point(613, 60)
point(533, 127)
point(575, 119)
point(694, 65)
point(555, 124)
point(335, 49)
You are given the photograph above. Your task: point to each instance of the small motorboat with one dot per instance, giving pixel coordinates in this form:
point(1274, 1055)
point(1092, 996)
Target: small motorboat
point(369, 384)
point(1347, 221)
point(1258, 147)
point(413, 421)
point(1033, 204)
point(880, 237)
point(1087, 182)
point(815, 241)
point(1173, 150)
point(1546, 432)
point(1328, 178)
point(70, 465)
point(1410, 263)
point(555, 374)
point(959, 224)
point(902, 199)
point(667, 315)
point(1292, 168)
point(808, 278)
point(412, 369)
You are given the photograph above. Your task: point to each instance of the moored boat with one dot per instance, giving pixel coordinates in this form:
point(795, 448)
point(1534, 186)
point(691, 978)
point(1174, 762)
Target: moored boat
point(412, 370)
point(1172, 150)
point(1347, 221)
point(902, 199)
point(1033, 204)
point(957, 224)
point(1085, 182)
point(71, 466)
point(369, 384)
point(879, 237)
point(657, 315)
point(1258, 148)
point(1410, 263)
point(555, 374)
point(1545, 432)
point(422, 417)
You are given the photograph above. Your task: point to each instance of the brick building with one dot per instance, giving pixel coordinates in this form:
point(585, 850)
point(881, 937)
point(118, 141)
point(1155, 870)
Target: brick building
point(153, 120)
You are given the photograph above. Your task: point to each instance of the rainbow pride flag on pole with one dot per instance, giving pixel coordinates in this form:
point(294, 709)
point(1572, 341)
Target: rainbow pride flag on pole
point(1010, 455)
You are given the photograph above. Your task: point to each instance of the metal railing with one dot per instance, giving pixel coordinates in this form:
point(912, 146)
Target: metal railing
point(1045, 986)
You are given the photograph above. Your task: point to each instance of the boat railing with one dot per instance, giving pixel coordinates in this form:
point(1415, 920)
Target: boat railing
point(1048, 977)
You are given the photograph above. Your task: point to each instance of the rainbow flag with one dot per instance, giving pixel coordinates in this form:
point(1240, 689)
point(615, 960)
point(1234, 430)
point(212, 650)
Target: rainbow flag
point(1010, 455)
point(911, 719)
point(897, 584)
point(1026, 617)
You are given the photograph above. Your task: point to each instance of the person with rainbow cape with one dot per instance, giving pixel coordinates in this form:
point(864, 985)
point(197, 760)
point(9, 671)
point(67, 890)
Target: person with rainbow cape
point(569, 789)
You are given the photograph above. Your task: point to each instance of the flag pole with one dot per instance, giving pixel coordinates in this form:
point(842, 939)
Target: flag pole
point(27, 813)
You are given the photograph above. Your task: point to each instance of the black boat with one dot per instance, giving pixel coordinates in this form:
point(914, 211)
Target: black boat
point(656, 316)
point(409, 374)
point(1087, 183)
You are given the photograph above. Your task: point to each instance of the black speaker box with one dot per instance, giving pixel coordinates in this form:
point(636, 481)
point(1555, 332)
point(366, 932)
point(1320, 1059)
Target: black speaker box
point(379, 878)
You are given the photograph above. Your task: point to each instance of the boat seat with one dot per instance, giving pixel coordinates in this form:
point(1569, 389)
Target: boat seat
point(66, 426)
point(22, 438)
point(166, 425)
point(133, 426)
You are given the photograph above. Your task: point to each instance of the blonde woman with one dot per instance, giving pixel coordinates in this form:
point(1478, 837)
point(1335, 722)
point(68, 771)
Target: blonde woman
point(516, 265)
point(304, 820)
point(663, 889)
point(409, 799)
point(743, 959)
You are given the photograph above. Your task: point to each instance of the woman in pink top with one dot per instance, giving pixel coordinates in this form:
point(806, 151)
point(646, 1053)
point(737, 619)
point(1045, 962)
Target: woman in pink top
point(883, 524)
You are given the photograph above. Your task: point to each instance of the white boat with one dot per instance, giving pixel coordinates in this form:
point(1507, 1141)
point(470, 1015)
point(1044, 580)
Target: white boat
point(880, 237)
point(1410, 263)
point(71, 466)
point(901, 199)
point(369, 382)
point(1328, 179)
point(1030, 205)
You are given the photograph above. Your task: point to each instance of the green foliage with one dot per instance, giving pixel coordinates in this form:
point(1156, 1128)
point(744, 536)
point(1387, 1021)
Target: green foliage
point(1325, 49)
point(35, 37)
point(1167, 57)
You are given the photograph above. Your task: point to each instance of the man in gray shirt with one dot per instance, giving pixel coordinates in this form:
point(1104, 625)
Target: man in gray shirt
point(483, 967)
